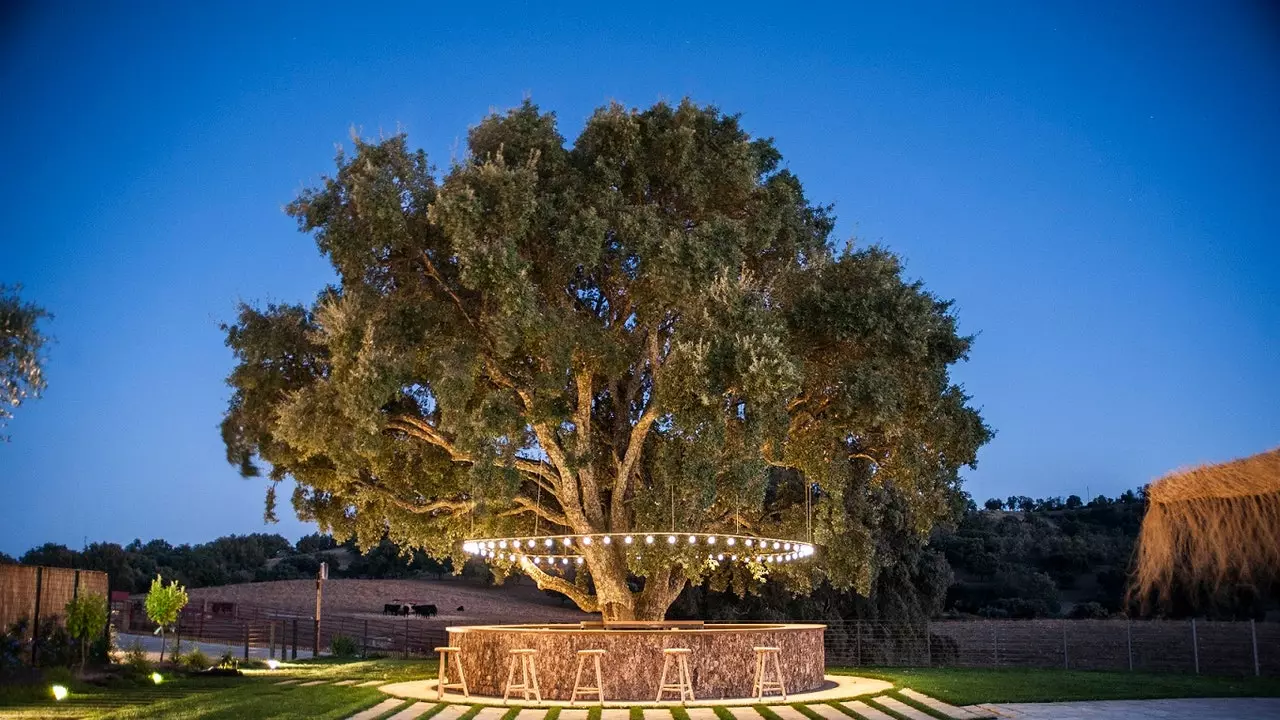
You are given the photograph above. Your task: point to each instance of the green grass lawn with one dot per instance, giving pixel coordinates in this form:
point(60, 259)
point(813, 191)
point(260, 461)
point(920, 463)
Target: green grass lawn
point(257, 695)
point(968, 686)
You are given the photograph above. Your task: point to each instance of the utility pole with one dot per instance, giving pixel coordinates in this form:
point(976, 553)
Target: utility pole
point(321, 576)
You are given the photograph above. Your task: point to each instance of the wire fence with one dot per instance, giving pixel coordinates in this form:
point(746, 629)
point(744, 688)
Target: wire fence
point(1190, 646)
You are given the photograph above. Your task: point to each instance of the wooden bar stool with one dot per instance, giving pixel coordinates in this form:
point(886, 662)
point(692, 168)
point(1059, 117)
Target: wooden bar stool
point(442, 674)
point(762, 683)
point(684, 683)
point(528, 675)
point(578, 687)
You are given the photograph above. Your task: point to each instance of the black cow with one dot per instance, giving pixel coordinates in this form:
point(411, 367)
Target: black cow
point(395, 609)
point(425, 610)
point(461, 608)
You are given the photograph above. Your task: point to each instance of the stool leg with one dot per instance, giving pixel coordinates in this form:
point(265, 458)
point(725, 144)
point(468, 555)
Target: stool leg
point(524, 676)
point(577, 680)
point(599, 679)
point(462, 676)
point(537, 689)
point(511, 675)
point(666, 660)
point(782, 684)
point(442, 674)
point(756, 688)
point(688, 679)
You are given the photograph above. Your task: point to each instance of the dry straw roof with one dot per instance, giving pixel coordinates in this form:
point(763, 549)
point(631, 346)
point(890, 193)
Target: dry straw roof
point(1211, 526)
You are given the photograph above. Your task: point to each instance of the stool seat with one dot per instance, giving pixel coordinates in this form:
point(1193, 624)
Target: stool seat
point(766, 649)
point(524, 651)
point(676, 651)
point(448, 648)
point(593, 652)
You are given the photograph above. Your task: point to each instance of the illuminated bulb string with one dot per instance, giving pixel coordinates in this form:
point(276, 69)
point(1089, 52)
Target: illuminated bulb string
point(561, 550)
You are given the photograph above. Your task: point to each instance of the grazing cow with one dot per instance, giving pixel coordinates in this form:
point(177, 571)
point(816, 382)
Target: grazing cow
point(425, 610)
point(460, 608)
point(391, 609)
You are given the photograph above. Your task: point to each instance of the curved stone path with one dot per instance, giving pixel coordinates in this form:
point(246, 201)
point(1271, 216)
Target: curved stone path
point(901, 704)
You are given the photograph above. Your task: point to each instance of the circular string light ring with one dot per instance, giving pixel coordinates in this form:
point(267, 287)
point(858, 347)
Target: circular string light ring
point(566, 549)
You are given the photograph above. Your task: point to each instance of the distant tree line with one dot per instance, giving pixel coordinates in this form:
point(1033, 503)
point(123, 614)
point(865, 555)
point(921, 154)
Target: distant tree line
point(233, 559)
point(1013, 558)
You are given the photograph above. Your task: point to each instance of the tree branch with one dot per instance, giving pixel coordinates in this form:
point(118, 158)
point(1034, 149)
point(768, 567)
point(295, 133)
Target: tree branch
point(635, 443)
point(431, 271)
point(582, 431)
point(588, 603)
point(423, 430)
point(525, 505)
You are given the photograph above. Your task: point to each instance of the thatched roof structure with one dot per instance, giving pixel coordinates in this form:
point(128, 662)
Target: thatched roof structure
point(1211, 526)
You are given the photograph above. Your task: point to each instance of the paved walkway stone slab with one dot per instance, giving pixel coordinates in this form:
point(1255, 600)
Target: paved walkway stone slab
point(827, 711)
point(451, 712)
point(606, 714)
point(657, 714)
point(1187, 709)
point(743, 712)
point(539, 713)
point(346, 682)
point(413, 711)
point(942, 708)
point(901, 708)
point(786, 712)
point(491, 713)
point(573, 714)
point(865, 711)
point(700, 714)
point(368, 683)
point(381, 708)
point(287, 682)
point(313, 683)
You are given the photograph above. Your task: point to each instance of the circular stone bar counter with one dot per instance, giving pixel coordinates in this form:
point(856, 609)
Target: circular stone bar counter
point(722, 662)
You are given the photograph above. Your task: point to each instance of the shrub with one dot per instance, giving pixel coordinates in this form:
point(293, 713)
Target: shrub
point(136, 659)
point(342, 646)
point(56, 647)
point(13, 647)
point(86, 619)
point(195, 660)
point(228, 660)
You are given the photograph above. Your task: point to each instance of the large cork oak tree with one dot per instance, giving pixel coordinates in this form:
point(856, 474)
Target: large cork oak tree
point(648, 329)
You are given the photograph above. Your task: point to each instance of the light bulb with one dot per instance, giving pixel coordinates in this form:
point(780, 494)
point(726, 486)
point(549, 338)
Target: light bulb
point(671, 539)
point(608, 540)
point(731, 541)
point(711, 540)
point(648, 539)
point(548, 543)
point(579, 559)
point(627, 539)
point(720, 557)
point(693, 539)
point(536, 560)
point(568, 541)
point(586, 540)
point(749, 541)
point(776, 545)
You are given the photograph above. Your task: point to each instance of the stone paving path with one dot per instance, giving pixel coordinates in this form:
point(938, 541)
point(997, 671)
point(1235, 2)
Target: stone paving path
point(1189, 709)
point(903, 704)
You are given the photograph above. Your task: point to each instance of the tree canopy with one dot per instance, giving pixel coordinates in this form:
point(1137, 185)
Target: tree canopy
point(648, 329)
point(21, 347)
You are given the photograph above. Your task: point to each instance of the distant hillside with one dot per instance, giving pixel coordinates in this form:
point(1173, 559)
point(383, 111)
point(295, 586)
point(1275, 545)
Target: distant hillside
point(510, 602)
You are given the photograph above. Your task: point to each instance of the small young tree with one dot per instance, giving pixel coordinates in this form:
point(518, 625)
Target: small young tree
point(164, 602)
point(86, 619)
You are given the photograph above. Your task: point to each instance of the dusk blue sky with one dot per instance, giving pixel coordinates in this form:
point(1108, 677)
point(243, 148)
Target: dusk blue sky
point(1097, 187)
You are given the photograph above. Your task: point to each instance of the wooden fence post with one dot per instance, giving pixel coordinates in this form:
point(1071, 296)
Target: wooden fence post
point(246, 639)
point(1253, 633)
point(364, 641)
point(1195, 646)
point(1128, 638)
point(928, 645)
point(295, 640)
point(35, 622)
point(1066, 662)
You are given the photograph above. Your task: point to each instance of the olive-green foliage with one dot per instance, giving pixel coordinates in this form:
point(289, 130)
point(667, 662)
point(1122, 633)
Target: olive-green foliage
point(21, 352)
point(86, 620)
point(163, 604)
point(652, 322)
point(195, 660)
point(344, 646)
